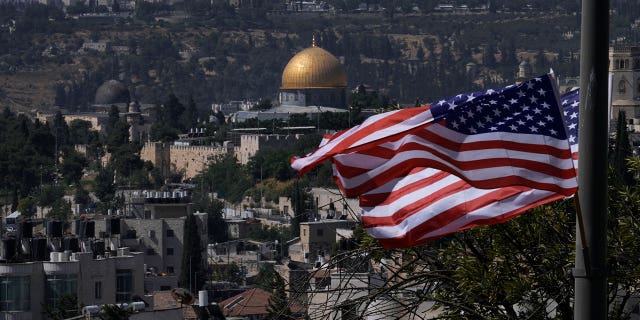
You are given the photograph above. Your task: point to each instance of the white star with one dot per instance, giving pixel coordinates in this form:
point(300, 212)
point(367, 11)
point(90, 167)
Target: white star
point(553, 132)
point(470, 97)
point(537, 111)
point(490, 91)
point(479, 108)
point(572, 126)
point(470, 113)
point(520, 122)
point(501, 123)
point(521, 94)
point(541, 123)
point(533, 99)
point(440, 102)
point(525, 108)
point(572, 139)
point(529, 85)
point(541, 92)
point(497, 112)
point(529, 117)
point(538, 79)
point(473, 130)
point(545, 105)
point(463, 119)
point(513, 101)
point(492, 102)
point(549, 118)
point(488, 118)
point(480, 124)
point(514, 128)
point(575, 104)
point(573, 115)
point(533, 129)
point(493, 128)
point(452, 105)
point(455, 124)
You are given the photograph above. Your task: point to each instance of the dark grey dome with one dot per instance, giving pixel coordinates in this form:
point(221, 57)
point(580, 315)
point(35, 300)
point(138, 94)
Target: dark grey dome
point(112, 91)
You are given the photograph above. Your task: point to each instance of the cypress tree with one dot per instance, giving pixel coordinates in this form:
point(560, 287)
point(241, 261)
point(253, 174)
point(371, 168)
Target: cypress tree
point(278, 306)
point(192, 274)
point(622, 151)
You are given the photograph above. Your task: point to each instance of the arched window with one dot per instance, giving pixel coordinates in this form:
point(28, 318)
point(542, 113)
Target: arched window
point(622, 87)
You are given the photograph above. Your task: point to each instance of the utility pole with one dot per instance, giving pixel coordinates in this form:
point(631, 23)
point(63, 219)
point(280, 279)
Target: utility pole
point(591, 271)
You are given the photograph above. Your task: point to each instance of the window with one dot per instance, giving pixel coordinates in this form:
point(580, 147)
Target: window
point(170, 233)
point(304, 232)
point(15, 293)
point(97, 289)
point(59, 285)
point(622, 88)
point(170, 270)
point(320, 232)
point(169, 251)
point(152, 234)
point(124, 285)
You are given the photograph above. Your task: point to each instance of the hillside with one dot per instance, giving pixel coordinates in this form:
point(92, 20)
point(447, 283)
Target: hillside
point(405, 57)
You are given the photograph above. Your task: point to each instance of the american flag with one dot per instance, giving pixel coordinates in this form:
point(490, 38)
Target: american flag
point(513, 136)
point(571, 107)
point(428, 203)
point(501, 152)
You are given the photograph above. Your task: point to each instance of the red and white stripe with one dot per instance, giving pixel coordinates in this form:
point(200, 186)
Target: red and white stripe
point(375, 129)
point(489, 160)
point(429, 203)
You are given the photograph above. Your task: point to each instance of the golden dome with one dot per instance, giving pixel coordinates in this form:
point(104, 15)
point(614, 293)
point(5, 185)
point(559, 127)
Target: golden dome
point(313, 67)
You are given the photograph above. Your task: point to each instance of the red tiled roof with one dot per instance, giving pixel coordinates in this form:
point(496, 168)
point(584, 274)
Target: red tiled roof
point(250, 302)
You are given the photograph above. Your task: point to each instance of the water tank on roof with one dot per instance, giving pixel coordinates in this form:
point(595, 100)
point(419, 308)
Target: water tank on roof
point(93, 309)
point(9, 246)
point(89, 230)
point(114, 226)
point(72, 244)
point(39, 249)
point(54, 229)
point(25, 229)
point(137, 306)
point(98, 248)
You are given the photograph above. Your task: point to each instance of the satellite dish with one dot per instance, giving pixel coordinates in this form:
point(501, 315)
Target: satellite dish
point(182, 296)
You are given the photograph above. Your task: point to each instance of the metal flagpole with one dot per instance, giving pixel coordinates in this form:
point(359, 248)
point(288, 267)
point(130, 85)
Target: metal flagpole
point(590, 271)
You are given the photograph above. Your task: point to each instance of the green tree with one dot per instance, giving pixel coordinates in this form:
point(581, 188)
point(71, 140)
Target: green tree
point(72, 165)
point(278, 307)
point(114, 312)
point(61, 210)
point(27, 206)
point(49, 194)
point(104, 187)
point(192, 275)
point(66, 307)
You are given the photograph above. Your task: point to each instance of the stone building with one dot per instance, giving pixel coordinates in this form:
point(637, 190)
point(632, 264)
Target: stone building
point(25, 288)
point(160, 242)
point(190, 159)
point(624, 68)
point(317, 239)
